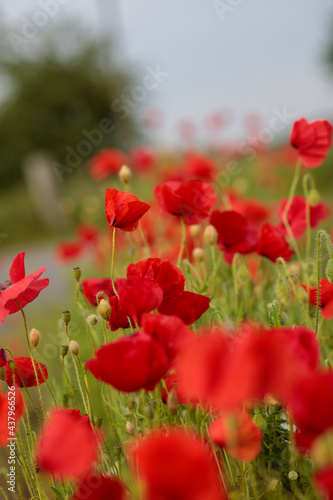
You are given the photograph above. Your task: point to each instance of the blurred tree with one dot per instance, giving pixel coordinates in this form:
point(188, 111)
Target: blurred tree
point(60, 86)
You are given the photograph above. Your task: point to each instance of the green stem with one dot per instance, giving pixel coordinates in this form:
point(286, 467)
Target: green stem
point(330, 251)
point(288, 205)
point(145, 241)
point(307, 177)
point(112, 261)
point(183, 242)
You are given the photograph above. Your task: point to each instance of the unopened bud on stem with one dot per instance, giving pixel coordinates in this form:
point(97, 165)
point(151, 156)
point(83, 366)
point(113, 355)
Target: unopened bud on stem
point(66, 316)
point(77, 273)
point(104, 309)
point(125, 174)
point(74, 347)
point(210, 235)
point(34, 337)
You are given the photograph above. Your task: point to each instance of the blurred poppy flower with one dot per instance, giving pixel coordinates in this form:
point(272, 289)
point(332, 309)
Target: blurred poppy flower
point(272, 245)
point(325, 297)
point(254, 210)
point(8, 427)
point(106, 162)
point(123, 210)
point(68, 251)
point(25, 373)
point(68, 445)
point(130, 363)
point(21, 288)
point(87, 233)
point(161, 271)
point(142, 159)
point(175, 465)
point(95, 487)
point(312, 140)
point(234, 233)
point(324, 481)
point(188, 306)
point(91, 287)
point(118, 318)
point(297, 215)
point(238, 434)
point(191, 200)
point(199, 167)
point(171, 382)
point(137, 296)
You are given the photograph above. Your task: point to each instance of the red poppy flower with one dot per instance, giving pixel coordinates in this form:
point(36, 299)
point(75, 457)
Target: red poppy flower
point(192, 200)
point(175, 465)
point(312, 140)
point(142, 159)
point(25, 373)
point(123, 210)
point(68, 251)
point(138, 296)
point(91, 287)
point(325, 297)
point(168, 331)
point(254, 210)
point(324, 481)
point(238, 434)
point(95, 487)
point(130, 363)
point(20, 288)
point(87, 233)
point(171, 382)
point(297, 215)
point(311, 405)
point(3, 358)
point(272, 244)
point(68, 446)
point(163, 272)
point(199, 167)
point(106, 162)
point(118, 318)
point(8, 417)
point(188, 306)
point(234, 233)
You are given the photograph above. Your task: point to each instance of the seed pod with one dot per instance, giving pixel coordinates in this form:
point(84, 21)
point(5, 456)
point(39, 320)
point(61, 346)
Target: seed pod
point(11, 365)
point(66, 316)
point(77, 273)
point(74, 347)
point(210, 235)
point(282, 291)
point(34, 337)
point(314, 197)
point(104, 309)
point(329, 270)
point(63, 350)
point(125, 174)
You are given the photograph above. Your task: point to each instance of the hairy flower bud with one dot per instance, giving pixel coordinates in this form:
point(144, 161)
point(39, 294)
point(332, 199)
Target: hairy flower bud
point(66, 316)
point(77, 273)
point(329, 270)
point(259, 421)
point(282, 291)
point(125, 174)
point(92, 319)
point(313, 280)
point(104, 309)
point(314, 197)
point(74, 347)
point(210, 235)
point(34, 337)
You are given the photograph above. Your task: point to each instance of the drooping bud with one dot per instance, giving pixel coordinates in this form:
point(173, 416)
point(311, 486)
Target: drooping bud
point(329, 270)
point(34, 337)
point(125, 174)
point(74, 347)
point(243, 274)
point(130, 428)
point(314, 197)
point(98, 421)
point(77, 273)
point(66, 316)
point(302, 295)
point(11, 365)
point(282, 291)
point(173, 402)
point(104, 309)
point(312, 280)
point(63, 350)
point(293, 476)
point(198, 254)
point(92, 319)
point(210, 235)
point(195, 230)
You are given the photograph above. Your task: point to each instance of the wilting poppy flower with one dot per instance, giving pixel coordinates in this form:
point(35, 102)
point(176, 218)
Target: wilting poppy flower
point(163, 272)
point(175, 465)
point(130, 363)
point(168, 331)
point(21, 288)
point(171, 382)
point(311, 405)
point(192, 200)
point(95, 487)
point(324, 481)
point(297, 215)
point(312, 140)
point(106, 162)
point(123, 210)
point(68, 445)
point(325, 297)
point(238, 434)
point(25, 373)
point(234, 233)
point(188, 306)
point(272, 244)
point(137, 296)
point(3, 358)
point(9, 421)
point(91, 287)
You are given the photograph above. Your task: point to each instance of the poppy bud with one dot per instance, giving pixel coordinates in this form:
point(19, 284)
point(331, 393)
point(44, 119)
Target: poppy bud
point(282, 291)
point(2, 373)
point(329, 270)
point(210, 235)
point(198, 254)
point(195, 230)
point(74, 347)
point(11, 365)
point(243, 274)
point(66, 316)
point(98, 421)
point(130, 428)
point(34, 337)
point(125, 174)
point(173, 402)
point(92, 319)
point(77, 273)
point(272, 485)
point(293, 475)
point(313, 280)
point(63, 350)
point(314, 197)
point(104, 309)
point(259, 421)
point(302, 296)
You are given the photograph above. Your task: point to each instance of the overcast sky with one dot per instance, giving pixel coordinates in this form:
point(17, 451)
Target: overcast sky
point(255, 57)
